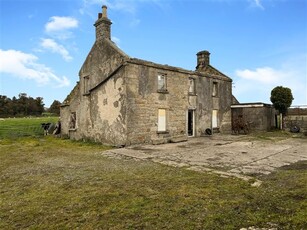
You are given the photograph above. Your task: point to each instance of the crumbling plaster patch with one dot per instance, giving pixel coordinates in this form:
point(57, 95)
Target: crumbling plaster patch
point(111, 97)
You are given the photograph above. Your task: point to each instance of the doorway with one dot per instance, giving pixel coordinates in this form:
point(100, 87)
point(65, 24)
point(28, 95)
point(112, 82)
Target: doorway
point(191, 123)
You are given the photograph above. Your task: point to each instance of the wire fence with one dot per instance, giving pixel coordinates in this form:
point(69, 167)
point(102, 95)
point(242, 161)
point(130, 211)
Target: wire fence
point(25, 127)
point(21, 131)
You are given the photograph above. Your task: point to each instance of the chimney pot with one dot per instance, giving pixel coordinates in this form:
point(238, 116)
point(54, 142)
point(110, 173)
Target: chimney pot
point(203, 59)
point(104, 11)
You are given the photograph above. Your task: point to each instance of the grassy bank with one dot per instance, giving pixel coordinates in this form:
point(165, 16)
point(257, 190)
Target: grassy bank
point(49, 183)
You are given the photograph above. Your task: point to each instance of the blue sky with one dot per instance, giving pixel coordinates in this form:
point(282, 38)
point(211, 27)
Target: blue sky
point(260, 44)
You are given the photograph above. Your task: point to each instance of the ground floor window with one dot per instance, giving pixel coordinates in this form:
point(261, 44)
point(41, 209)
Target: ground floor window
point(161, 120)
point(72, 122)
point(215, 118)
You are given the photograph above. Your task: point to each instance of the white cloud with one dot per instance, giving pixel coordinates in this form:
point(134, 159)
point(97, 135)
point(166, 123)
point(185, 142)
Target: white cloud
point(265, 75)
point(59, 26)
point(54, 47)
point(257, 4)
point(26, 66)
point(256, 85)
point(60, 23)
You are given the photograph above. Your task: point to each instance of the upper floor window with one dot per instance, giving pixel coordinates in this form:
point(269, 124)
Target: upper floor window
point(162, 87)
point(191, 86)
point(86, 87)
point(215, 89)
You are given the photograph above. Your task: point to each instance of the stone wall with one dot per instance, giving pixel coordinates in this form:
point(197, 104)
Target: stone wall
point(204, 104)
point(123, 108)
point(103, 59)
point(100, 115)
point(296, 120)
point(261, 117)
point(296, 117)
point(99, 100)
point(224, 102)
point(69, 106)
point(144, 101)
point(106, 116)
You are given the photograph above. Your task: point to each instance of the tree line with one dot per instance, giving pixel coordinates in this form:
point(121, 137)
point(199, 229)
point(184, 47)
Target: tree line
point(25, 105)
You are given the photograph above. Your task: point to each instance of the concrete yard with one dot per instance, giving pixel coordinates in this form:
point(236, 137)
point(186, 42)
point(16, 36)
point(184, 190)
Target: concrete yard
point(227, 155)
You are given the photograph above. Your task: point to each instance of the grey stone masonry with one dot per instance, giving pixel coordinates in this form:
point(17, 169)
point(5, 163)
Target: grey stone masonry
point(103, 25)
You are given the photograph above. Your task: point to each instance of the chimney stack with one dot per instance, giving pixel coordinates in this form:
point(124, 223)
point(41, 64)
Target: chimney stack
point(203, 59)
point(103, 25)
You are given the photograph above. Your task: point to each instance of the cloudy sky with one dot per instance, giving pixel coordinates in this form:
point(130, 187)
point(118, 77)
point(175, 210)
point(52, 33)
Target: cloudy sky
point(260, 44)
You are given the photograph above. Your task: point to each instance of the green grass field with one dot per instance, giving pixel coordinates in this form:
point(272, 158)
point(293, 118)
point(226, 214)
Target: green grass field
point(20, 127)
point(52, 183)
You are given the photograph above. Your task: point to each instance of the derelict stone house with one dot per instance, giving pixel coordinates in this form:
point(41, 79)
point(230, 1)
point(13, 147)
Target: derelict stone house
point(121, 100)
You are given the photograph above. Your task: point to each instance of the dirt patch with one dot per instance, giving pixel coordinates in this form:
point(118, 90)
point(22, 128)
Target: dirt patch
point(300, 165)
point(226, 143)
point(183, 146)
point(147, 150)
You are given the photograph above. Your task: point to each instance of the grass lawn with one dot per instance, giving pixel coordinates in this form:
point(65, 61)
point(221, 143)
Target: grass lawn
point(50, 183)
point(20, 127)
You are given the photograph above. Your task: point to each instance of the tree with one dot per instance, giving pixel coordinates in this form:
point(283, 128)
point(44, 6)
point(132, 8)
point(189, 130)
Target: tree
point(5, 106)
point(55, 107)
point(40, 105)
point(23, 106)
point(282, 98)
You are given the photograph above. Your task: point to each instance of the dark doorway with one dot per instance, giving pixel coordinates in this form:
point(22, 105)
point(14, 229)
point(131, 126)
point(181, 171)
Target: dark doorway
point(190, 123)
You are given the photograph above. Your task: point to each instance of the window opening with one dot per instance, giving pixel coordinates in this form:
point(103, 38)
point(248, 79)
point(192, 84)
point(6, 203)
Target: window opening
point(72, 122)
point(86, 85)
point(214, 118)
point(162, 82)
point(190, 123)
point(161, 120)
point(191, 86)
point(215, 89)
